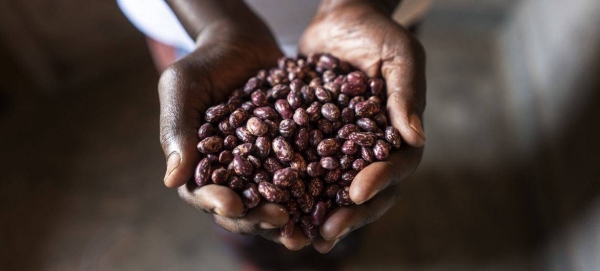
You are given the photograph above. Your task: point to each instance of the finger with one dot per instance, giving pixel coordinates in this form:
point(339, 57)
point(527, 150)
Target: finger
point(179, 120)
point(342, 221)
point(404, 73)
point(212, 198)
point(378, 176)
point(264, 217)
point(296, 242)
point(323, 246)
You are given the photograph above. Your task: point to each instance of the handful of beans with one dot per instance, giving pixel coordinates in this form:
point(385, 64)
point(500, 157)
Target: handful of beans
point(297, 135)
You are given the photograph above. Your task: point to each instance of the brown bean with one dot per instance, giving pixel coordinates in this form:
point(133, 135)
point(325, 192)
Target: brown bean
point(305, 202)
point(301, 117)
point(263, 147)
point(315, 169)
point(308, 94)
point(381, 120)
point(265, 113)
point(332, 176)
point(367, 154)
point(225, 128)
point(297, 189)
point(270, 192)
point(354, 101)
point(212, 158)
point(284, 109)
point(273, 127)
point(248, 106)
point(342, 197)
point(315, 187)
point(282, 149)
point(293, 209)
point(322, 94)
point(317, 216)
point(349, 147)
point(298, 163)
point(362, 138)
point(252, 84)
point(294, 99)
point(216, 113)
point(205, 131)
point(230, 142)
point(351, 89)
point(346, 130)
point(257, 127)
point(333, 88)
point(376, 86)
point(243, 149)
point(220, 176)
point(329, 76)
point(287, 128)
point(325, 126)
point(314, 111)
point(271, 165)
point(330, 111)
point(330, 190)
point(241, 166)
point(311, 155)
point(301, 139)
point(315, 137)
point(261, 176)
point(202, 173)
point(251, 196)
point(382, 150)
point(235, 183)
point(346, 162)
point(238, 117)
point(259, 98)
point(245, 135)
point(348, 176)
point(309, 230)
point(329, 162)
point(366, 109)
point(256, 163)
point(343, 100)
point(347, 115)
point(225, 157)
point(393, 137)
point(328, 147)
point(357, 77)
point(211, 144)
point(297, 85)
point(285, 177)
point(280, 91)
point(359, 164)
point(367, 125)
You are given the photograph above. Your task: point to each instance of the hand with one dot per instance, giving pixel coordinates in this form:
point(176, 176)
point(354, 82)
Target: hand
point(227, 54)
point(372, 42)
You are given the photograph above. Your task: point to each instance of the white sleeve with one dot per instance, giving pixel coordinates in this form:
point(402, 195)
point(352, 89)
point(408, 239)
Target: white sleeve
point(156, 20)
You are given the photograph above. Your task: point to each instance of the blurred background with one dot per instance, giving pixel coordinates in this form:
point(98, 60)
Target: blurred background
point(510, 178)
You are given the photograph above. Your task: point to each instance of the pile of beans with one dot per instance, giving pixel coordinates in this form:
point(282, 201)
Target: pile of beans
point(297, 135)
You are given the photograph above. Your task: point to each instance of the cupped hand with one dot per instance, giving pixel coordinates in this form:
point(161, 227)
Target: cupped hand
point(227, 54)
point(372, 42)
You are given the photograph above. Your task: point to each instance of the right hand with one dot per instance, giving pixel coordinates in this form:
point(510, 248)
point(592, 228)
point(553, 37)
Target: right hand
point(227, 54)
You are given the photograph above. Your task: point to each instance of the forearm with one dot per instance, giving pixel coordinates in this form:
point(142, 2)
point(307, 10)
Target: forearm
point(385, 6)
point(196, 15)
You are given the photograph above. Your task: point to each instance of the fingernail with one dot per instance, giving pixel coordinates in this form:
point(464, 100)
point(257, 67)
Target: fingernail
point(218, 211)
point(342, 233)
point(415, 124)
point(370, 196)
point(173, 162)
point(332, 246)
point(267, 226)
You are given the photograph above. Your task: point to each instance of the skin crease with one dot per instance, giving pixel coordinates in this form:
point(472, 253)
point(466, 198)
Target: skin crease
point(232, 49)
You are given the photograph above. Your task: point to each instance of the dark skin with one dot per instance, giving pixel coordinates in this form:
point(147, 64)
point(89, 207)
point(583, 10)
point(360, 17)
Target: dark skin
point(232, 45)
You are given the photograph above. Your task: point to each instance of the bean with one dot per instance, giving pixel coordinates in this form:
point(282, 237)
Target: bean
point(382, 150)
point(245, 135)
point(259, 98)
point(359, 164)
point(270, 192)
point(342, 197)
point(243, 149)
point(393, 137)
point(315, 187)
point(263, 147)
point(205, 131)
point(282, 149)
point(257, 127)
point(330, 111)
point(287, 230)
point(238, 117)
point(251, 196)
point(301, 117)
point(230, 142)
point(305, 202)
point(308, 228)
point(211, 144)
point(284, 109)
point(216, 113)
point(329, 162)
point(328, 147)
point(241, 166)
point(356, 89)
point(235, 183)
point(202, 174)
point(317, 216)
point(362, 138)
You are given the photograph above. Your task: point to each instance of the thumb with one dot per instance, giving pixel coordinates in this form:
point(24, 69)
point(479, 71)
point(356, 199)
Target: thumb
point(179, 123)
point(405, 79)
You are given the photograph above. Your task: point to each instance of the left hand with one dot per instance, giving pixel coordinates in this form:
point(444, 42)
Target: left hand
point(371, 41)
